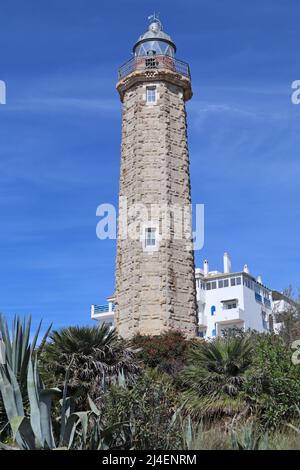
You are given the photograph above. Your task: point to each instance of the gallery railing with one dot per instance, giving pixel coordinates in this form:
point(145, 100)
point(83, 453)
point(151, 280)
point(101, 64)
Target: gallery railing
point(154, 63)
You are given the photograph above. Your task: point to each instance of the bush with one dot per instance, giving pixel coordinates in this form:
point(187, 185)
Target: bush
point(148, 408)
point(94, 356)
point(214, 377)
point(273, 381)
point(167, 352)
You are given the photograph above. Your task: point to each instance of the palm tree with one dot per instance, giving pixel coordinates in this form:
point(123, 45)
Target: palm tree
point(95, 356)
point(215, 375)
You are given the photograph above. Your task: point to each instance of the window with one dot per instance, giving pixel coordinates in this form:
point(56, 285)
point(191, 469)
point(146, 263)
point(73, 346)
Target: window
point(214, 285)
point(213, 310)
point(150, 237)
point(221, 283)
point(232, 281)
point(151, 94)
point(201, 333)
point(208, 286)
point(248, 283)
point(229, 306)
point(238, 281)
point(264, 320)
point(226, 283)
point(151, 63)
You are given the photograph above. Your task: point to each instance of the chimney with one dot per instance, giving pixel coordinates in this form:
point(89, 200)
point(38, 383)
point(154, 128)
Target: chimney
point(246, 269)
point(227, 263)
point(259, 279)
point(205, 268)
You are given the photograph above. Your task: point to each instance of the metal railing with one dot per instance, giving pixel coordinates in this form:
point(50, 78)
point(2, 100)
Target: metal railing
point(98, 309)
point(154, 63)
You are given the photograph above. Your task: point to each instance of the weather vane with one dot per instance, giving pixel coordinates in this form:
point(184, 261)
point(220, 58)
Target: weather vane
point(155, 18)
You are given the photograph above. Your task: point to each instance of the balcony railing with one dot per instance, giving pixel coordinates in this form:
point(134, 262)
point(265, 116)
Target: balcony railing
point(231, 314)
point(98, 309)
point(156, 62)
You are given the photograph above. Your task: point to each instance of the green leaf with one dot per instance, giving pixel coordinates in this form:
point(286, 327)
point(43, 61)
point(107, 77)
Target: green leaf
point(46, 397)
point(93, 407)
point(23, 433)
point(33, 395)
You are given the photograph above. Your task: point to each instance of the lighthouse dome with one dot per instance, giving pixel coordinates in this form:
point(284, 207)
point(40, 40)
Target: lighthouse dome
point(154, 41)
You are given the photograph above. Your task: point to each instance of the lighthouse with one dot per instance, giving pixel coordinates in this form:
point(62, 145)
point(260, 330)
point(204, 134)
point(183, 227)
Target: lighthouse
point(155, 273)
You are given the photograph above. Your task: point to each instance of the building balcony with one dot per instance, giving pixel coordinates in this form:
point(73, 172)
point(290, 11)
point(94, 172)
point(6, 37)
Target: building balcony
point(103, 313)
point(231, 314)
point(156, 62)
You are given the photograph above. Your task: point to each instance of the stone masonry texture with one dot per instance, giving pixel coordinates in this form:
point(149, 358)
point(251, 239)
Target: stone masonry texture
point(155, 290)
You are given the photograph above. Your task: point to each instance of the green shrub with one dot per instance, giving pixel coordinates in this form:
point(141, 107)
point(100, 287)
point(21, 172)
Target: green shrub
point(273, 381)
point(167, 352)
point(96, 356)
point(214, 377)
point(148, 408)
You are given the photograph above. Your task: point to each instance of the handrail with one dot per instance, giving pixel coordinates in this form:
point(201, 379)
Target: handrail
point(102, 308)
point(154, 63)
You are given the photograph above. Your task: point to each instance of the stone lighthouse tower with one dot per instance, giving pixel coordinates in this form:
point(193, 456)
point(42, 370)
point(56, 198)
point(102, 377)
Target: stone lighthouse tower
point(155, 278)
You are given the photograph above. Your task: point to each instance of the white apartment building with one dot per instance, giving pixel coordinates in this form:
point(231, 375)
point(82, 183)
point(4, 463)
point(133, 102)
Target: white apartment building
point(226, 300)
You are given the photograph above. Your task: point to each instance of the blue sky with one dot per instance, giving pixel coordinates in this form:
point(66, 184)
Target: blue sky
point(60, 141)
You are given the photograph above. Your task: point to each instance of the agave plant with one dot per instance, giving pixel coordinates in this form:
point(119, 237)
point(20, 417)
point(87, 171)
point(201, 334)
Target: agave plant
point(248, 439)
point(36, 431)
point(16, 347)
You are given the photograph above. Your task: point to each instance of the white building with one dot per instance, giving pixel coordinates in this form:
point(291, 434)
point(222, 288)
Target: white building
point(281, 304)
point(226, 300)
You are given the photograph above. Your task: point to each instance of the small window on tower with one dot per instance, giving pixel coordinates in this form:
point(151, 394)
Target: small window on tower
point(151, 94)
point(150, 237)
point(151, 63)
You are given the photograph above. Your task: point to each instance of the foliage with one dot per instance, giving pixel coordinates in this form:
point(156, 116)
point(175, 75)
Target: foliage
point(238, 391)
point(167, 352)
point(248, 438)
point(77, 430)
point(149, 407)
point(215, 375)
point(96, 356)
point(16, 347)
point(273, 381)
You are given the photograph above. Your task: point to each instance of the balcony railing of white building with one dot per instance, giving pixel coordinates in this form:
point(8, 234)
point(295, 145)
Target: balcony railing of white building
point(105, 311)
point(155, 62)
point(231, 314)
point(103, 308)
